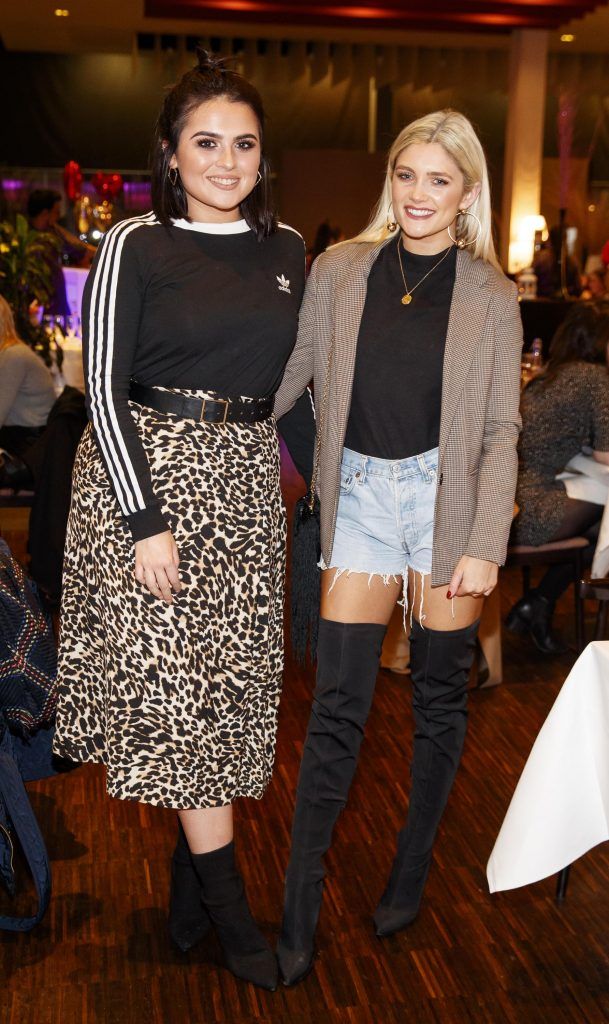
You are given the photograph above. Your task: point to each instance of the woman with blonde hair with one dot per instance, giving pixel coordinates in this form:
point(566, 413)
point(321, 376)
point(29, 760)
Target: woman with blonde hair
point(413, 336)
point(26, 397)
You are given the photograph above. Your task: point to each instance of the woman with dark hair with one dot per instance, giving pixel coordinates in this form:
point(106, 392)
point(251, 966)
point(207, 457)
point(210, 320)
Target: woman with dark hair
point(563, 410)
point(171, 639)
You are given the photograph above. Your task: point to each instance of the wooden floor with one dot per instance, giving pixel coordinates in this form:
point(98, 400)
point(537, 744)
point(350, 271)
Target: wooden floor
point(101, 956)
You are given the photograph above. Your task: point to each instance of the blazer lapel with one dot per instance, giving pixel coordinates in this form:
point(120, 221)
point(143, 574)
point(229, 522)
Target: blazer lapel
point(466, 321)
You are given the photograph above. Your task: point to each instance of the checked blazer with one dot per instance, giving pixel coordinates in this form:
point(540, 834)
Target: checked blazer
point(479, 422)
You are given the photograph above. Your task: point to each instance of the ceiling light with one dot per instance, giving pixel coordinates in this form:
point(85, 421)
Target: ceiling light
point(567, 37)
point(61, 12)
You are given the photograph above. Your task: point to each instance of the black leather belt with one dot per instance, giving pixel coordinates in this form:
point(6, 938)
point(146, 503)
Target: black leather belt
point(205, 410)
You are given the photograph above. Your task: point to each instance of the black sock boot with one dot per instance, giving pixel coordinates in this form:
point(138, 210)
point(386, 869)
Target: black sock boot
point(188, 918)
point(440, 662)
point(348, 657)
point(246, 951)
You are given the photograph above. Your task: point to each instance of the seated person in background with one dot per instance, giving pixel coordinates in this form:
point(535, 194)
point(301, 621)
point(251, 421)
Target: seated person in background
point(563, 409)
point(595, 286)
point(44, 211)
point(546, 265)
point(26, 397)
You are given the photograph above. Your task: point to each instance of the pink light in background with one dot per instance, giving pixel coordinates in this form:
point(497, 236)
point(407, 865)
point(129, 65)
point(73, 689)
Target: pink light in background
point(136, 195)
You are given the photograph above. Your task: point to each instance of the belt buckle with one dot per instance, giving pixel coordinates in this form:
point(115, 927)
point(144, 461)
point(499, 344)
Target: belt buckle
point(226, 405)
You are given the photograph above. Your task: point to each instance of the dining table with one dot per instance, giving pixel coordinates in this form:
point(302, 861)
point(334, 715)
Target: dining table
point(560, 807)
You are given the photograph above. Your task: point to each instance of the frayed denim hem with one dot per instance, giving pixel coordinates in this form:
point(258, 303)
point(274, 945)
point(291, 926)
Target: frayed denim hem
point(387, 578)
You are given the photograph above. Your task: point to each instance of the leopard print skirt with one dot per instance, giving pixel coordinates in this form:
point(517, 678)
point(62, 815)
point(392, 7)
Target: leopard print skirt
point(178, 701)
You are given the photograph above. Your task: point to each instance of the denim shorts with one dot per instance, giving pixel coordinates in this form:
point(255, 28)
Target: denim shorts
point(385, 515)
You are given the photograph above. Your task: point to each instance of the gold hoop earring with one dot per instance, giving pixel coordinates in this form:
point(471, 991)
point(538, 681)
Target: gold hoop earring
point(461, 242)
point(391, 224)
point(258, 179)
point(172, 174)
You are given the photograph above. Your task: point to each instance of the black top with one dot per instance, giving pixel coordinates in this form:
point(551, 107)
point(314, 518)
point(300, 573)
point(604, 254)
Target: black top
point(397, 388)
point(196, 306)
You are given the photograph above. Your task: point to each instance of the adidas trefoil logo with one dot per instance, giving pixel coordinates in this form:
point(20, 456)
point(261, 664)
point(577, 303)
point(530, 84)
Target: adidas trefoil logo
point(284, 284)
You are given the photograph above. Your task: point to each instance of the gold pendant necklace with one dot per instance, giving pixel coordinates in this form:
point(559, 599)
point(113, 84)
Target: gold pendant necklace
point(408, 292)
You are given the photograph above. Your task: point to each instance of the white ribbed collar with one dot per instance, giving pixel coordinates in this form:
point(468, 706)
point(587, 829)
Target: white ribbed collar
point(233, 227)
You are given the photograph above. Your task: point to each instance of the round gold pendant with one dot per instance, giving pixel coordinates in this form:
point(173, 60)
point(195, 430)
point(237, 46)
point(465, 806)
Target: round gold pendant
point(406, 299)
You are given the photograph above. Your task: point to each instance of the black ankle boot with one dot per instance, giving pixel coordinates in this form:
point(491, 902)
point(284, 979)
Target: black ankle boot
point(533, 615)
point(188, 918)
point(348, 657)
point(246, 952)
point(440, 663)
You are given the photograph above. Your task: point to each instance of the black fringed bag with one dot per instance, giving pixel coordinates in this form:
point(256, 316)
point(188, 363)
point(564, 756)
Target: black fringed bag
point(306, 552)
point(306, 549)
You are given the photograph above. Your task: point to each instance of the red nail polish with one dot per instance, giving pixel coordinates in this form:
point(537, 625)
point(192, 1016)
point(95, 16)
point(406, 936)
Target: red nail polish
point(448, 595)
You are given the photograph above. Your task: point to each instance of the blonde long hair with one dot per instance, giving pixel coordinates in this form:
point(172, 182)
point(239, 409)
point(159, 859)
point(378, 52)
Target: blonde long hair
point(457, 137)
point(8, 331)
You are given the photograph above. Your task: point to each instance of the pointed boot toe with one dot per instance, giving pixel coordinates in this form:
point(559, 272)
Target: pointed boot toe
point(388, 920)
point(186, 936)
point(294, 964)
point(259, 968)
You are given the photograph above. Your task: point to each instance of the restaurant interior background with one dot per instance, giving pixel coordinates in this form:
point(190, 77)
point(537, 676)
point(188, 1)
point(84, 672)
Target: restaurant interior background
point(338, 83)
point(80, 88)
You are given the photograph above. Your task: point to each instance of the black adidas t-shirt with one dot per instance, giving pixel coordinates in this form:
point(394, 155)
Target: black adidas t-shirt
point(192, 306)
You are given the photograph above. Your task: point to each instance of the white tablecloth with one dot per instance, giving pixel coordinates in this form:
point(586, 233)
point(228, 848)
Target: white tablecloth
point(560, 808)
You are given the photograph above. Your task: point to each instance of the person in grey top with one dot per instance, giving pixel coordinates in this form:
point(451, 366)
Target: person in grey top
point(563, 410)
point(26, 390)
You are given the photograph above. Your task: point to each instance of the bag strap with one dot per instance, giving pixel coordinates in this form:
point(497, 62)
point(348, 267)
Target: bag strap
point(15, 798)
point(320, 430)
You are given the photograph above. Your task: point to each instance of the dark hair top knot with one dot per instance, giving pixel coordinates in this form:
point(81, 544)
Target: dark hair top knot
point(210, 63)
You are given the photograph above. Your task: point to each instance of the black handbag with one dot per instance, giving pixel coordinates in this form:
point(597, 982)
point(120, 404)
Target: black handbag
point(305, 576)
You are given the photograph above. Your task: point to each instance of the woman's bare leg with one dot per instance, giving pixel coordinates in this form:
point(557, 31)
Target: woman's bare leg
point(207, 829)
point(440, 612)
point(358, 597)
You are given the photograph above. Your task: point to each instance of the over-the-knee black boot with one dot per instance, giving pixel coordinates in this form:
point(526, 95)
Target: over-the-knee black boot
point(347, 665)
point(440, 662)
point(246, 951)
point(188, 918)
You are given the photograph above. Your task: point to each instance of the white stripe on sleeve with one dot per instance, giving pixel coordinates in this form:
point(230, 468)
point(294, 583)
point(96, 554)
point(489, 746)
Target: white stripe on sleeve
point(101, 350)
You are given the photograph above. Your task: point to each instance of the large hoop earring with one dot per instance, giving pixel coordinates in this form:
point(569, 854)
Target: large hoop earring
point(172, 174)
point(391, 223)
point(460, 242)
point(258, 179)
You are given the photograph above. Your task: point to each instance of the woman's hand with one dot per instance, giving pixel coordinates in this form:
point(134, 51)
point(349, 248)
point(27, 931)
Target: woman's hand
point(156, 565)
point(473, 577)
